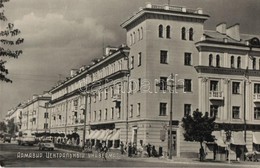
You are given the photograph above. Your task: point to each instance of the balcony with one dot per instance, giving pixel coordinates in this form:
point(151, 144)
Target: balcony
point(116, 98)
point(216, 95)
point(256, 98)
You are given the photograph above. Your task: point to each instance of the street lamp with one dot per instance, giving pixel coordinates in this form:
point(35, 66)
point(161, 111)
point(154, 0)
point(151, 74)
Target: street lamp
point(173, 86)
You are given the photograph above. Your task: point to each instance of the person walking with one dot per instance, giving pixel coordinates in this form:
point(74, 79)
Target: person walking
point(130, 150)
point(122, 147)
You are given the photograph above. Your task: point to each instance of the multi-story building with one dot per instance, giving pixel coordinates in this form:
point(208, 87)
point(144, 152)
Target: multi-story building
point(15, 115)
point(228, 76)
point(98, 84)
point(118, 97)
point(35, 115)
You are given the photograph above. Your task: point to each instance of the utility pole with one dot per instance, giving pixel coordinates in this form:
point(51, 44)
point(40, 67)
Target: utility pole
point(85, 120)
point(173, 87)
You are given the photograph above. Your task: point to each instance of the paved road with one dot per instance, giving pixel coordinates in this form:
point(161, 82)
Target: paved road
point(29, 156)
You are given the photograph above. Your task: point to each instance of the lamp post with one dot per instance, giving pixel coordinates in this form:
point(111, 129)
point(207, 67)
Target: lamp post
point(173, 86)
point(228, 132)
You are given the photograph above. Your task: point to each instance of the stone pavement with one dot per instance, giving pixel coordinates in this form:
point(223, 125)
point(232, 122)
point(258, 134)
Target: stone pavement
point(195, 161)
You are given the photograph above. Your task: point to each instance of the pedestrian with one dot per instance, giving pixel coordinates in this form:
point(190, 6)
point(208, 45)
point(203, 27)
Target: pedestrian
point(238, 153)
point(148, 148)
point(154, 152)
point(122, 147)
point(129, 149)
point(103, 151)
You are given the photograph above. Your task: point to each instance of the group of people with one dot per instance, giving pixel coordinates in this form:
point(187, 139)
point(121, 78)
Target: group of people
point(131, 150)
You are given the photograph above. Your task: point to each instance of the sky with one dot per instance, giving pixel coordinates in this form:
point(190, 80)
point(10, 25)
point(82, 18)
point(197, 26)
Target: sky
point(61, 35)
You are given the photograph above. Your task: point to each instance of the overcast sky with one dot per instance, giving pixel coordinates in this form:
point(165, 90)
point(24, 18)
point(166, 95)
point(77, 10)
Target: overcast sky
point(64, 34)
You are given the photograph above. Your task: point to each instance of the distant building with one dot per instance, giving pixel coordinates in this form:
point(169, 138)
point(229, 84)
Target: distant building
point(35, 114)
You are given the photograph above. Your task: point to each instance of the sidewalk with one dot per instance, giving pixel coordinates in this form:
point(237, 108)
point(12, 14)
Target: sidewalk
point(179, 160)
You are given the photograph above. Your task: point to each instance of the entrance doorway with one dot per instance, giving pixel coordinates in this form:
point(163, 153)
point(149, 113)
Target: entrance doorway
point(174, 143)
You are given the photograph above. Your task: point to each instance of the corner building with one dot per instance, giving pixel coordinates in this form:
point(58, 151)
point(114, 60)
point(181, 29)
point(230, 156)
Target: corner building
point(161, 41)
point(219, 71)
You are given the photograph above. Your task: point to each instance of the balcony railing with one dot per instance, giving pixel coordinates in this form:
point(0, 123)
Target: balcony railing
point(116, 98)
point(256, 98)
point(216, 95)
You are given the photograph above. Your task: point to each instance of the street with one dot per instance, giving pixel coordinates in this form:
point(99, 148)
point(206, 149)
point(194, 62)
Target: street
point(13, 155)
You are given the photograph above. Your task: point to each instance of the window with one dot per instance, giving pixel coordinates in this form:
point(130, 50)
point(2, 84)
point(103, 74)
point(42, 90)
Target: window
point(256, 88)
point(232, 63)
point(112, 91)
point(138, 34)
point(139, 84)
point(213, 110)
point(134, 36)
point(100, 95)
point(163, 108)
point(213, 85)
point(161, 31)
point(187, 109)
point(138, 109)
point(106, 93)
point(163, 83)
point(168, 32)
point(238, 62)
point(105, 115)
point(46, 115)
point(132, 87)
point(217, 61)
point(132, 62)
point(95, 115)
point(139, 59)
point(163, 57)
point(112, 112)
point(191, 34)
point(235, 87)
point(210, 59)
point(45, 126)
point(235, 112)
point(95, 97)
point(254, 63)
point(187, 58)
point(187, 85)
point(259, 64)
point(257, 113)
point(183, 33)
point(131, 39)
point(99, 115)
point(141, 34)
point(131, 111)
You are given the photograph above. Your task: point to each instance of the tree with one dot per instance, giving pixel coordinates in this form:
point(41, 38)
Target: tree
point(2, 126)
point(12, 128)
point(198, 127)
point(8, 42)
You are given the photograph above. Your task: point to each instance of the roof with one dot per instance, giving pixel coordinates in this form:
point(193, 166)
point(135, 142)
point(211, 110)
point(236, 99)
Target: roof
point(215, 36)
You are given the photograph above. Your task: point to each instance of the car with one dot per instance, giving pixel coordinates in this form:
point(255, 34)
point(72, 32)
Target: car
point(46, 144)
point(7, 138)
point(26, 138)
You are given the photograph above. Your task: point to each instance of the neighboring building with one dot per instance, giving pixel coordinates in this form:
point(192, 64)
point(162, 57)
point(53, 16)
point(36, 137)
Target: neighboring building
point(35, 115)
point(229, 83)
point(102, 79)
point(15, 115)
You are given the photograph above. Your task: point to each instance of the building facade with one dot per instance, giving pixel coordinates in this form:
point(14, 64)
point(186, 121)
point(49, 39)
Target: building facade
point(35, 116)
point(124, 95)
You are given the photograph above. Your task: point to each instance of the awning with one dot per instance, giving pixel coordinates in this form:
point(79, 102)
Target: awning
point(116, 136)
point(91, 134)
point(256, 138)
point(109, 134)
point(238, 138)
point(101, 135)
point(219, 139)
point(96, 134)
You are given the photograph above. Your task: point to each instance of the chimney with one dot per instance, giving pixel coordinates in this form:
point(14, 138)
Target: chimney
point(221, 28)
point(109, 50)
point(73, 72)
point(233, 32)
